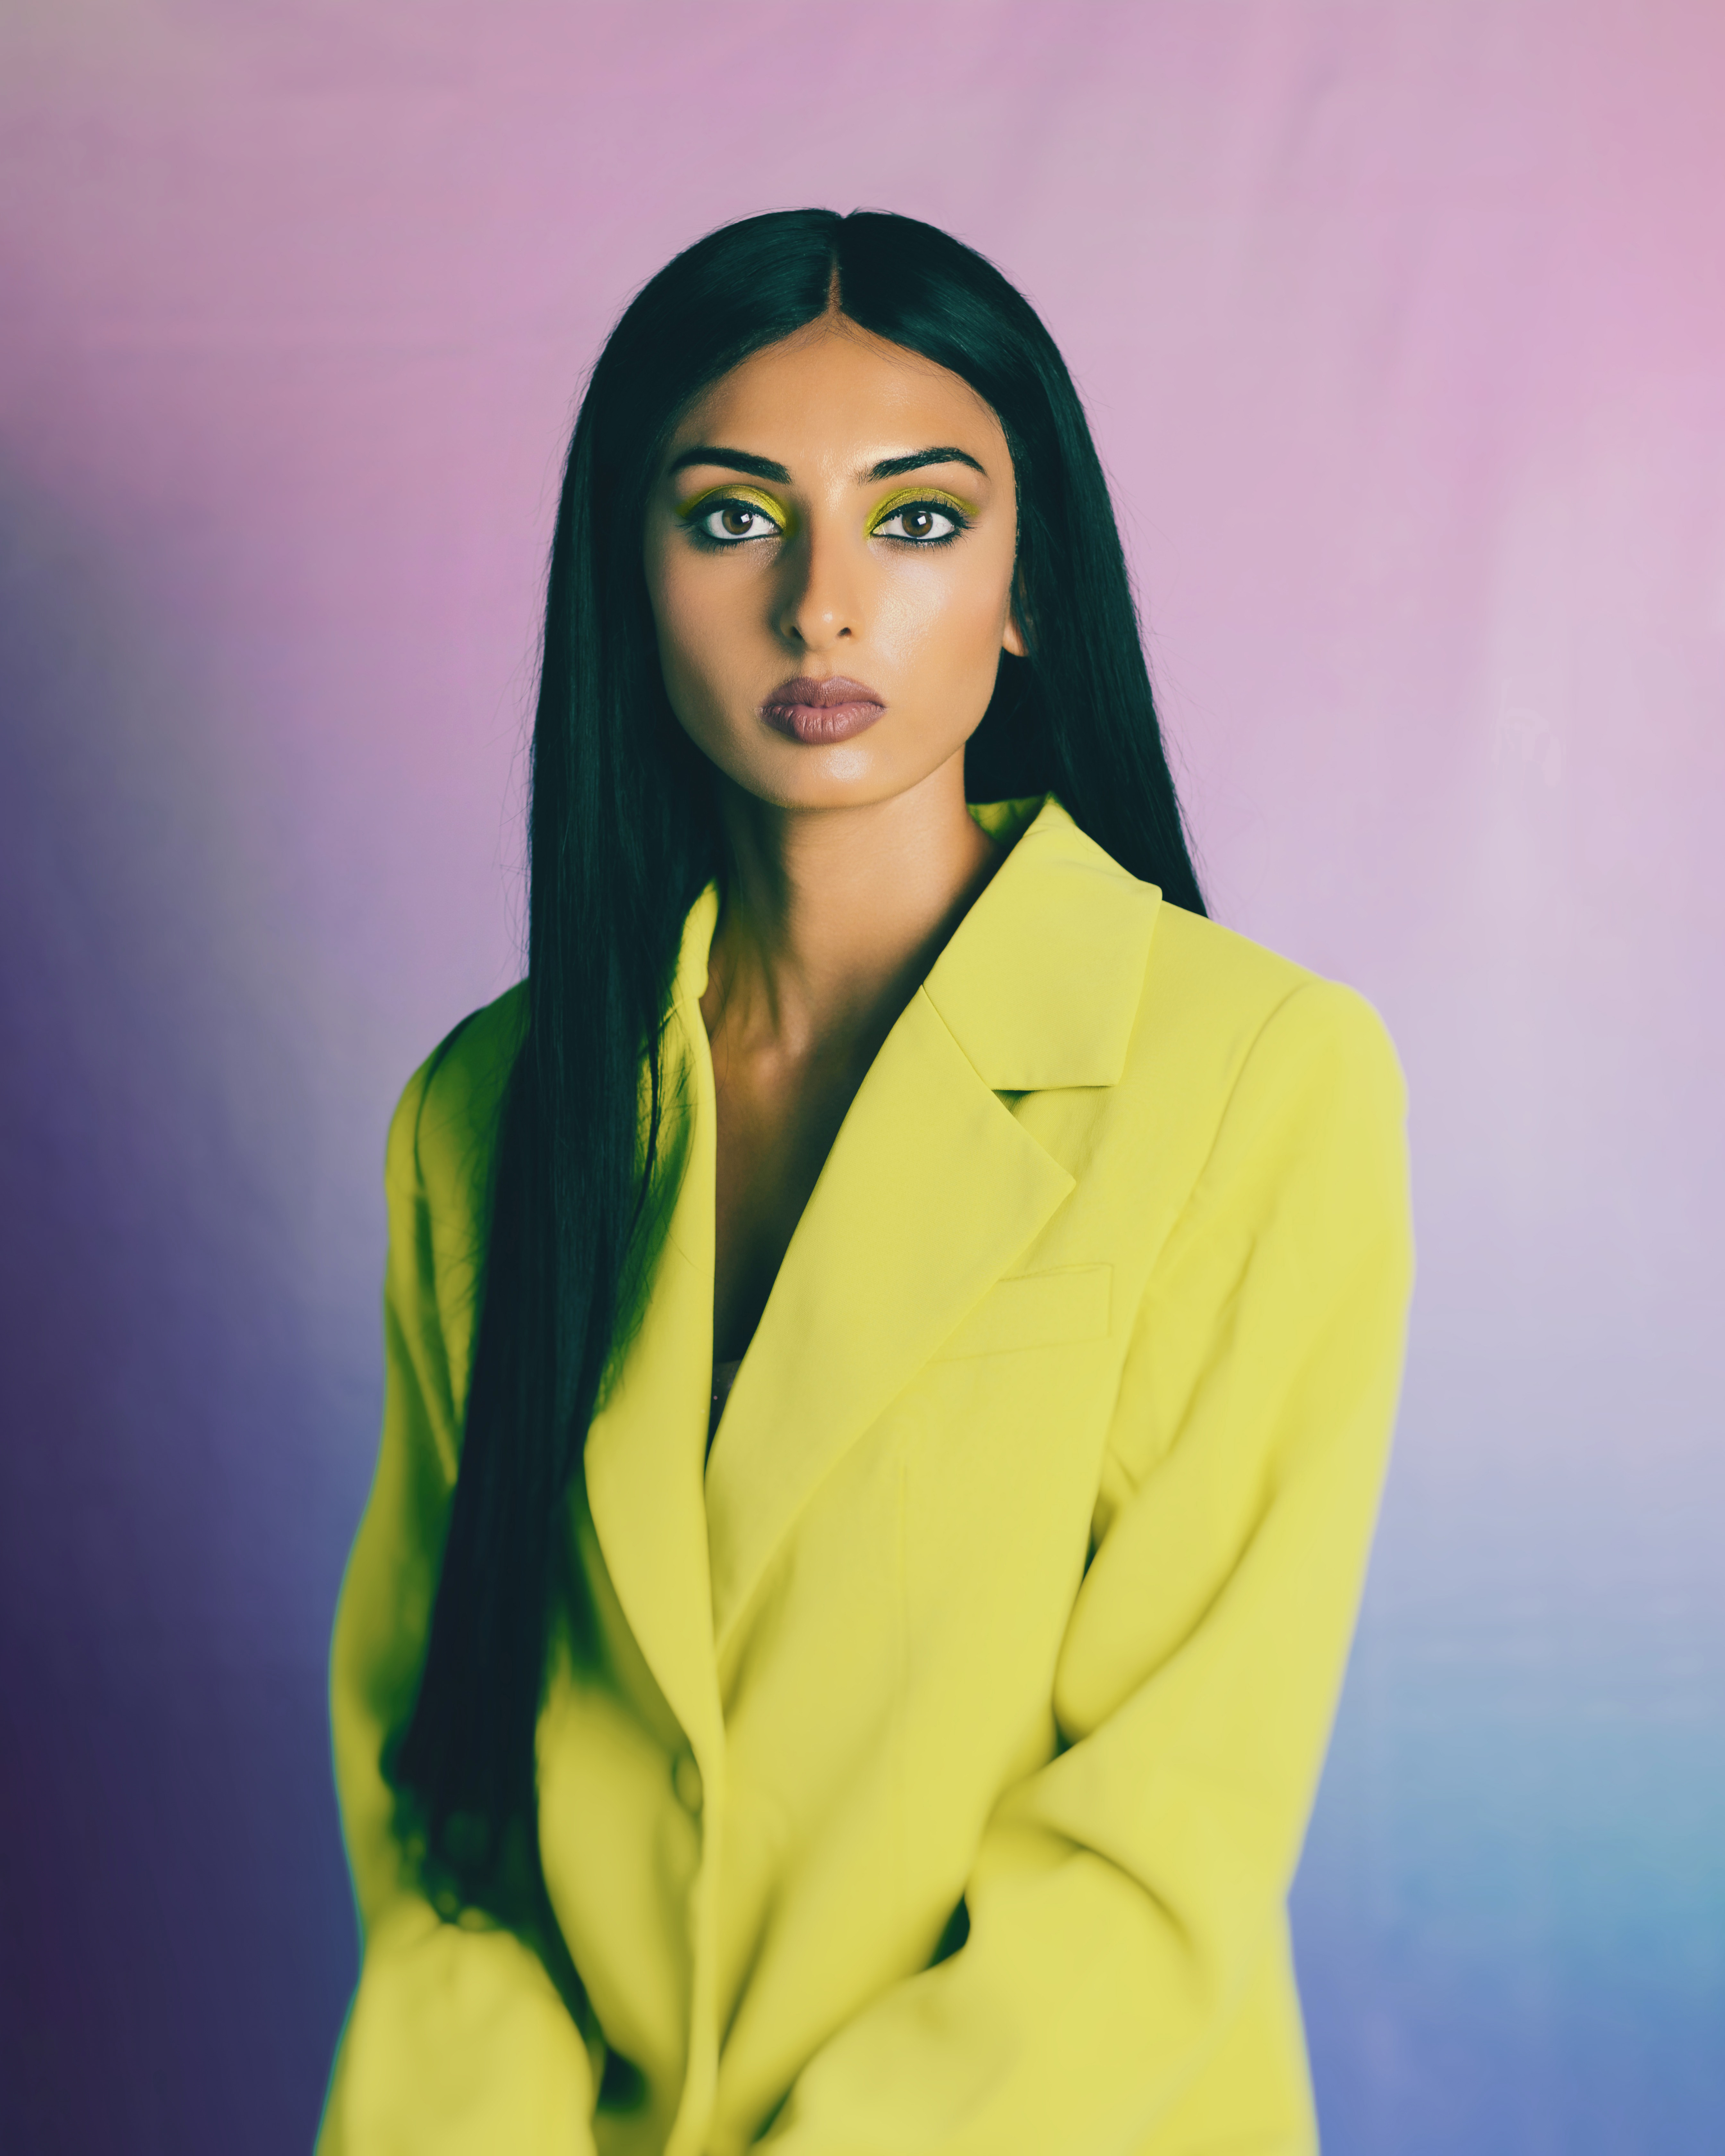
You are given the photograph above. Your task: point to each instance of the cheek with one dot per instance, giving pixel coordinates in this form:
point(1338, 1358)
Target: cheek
point(692, 619)
point(952, 618)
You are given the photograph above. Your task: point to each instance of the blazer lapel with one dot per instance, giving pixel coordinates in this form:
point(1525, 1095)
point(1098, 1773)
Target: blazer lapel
point(930, 1191)
point(932, 1188)
point(645, 1447)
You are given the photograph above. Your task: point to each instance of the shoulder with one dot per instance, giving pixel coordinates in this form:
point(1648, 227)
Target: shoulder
point(1245, 1074)
point(442, 1133)
point(1072, 974)
point(1270, 1089)
point(1215, 1007)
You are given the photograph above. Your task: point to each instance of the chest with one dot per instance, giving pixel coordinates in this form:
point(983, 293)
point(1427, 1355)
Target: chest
point(778, 1116)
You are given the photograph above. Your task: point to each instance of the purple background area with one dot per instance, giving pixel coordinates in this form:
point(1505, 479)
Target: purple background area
point(1402, 332)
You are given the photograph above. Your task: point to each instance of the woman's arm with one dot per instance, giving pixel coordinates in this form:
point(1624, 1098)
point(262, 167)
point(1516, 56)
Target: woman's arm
point(1127, 1904)
point(457, 2042)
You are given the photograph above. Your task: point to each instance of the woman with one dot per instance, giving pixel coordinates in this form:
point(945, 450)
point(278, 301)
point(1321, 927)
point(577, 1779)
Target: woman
point(892, 1330)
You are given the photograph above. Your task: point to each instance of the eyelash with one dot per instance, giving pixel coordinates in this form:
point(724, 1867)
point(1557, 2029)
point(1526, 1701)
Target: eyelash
point(939, 507)
point(696, 519)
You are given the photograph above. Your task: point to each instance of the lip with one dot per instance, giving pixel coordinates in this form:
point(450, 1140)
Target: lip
point(815, 712)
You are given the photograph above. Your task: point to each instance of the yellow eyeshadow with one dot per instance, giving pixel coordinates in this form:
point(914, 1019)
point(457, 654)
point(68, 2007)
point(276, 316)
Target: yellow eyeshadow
point(936, 496)
point(752, 495)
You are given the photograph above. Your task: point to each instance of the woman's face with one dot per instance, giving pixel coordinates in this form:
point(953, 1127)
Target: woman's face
point(830, 549)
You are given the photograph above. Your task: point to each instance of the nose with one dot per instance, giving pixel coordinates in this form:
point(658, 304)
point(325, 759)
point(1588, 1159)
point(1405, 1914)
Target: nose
point(820, 603)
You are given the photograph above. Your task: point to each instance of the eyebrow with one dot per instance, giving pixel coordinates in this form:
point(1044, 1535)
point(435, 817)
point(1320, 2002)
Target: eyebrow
point(896, 467)
point(706, 453)
point(709, 452)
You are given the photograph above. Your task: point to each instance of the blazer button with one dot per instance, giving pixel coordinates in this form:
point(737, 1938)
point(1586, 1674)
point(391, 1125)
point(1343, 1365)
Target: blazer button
point(685, 1780)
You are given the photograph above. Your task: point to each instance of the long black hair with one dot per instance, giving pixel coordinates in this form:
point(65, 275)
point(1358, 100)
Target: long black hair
point(622, 836)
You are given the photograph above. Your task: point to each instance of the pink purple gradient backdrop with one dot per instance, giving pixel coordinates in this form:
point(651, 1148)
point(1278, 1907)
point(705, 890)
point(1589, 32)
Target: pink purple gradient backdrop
point(1403, 333)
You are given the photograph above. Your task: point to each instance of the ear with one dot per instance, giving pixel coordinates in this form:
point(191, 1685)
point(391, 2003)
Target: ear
point(1011, 638)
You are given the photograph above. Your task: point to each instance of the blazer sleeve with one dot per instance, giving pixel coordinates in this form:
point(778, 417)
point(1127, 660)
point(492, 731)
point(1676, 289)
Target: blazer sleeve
point(1126, 1894)
point(457, 2042)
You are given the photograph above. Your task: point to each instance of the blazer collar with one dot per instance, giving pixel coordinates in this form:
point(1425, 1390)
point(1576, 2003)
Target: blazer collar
point(1040, 984)
point(1038, 988)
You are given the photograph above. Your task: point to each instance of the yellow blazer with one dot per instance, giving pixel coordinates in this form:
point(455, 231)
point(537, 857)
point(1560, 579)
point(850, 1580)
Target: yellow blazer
point(1017, 1588)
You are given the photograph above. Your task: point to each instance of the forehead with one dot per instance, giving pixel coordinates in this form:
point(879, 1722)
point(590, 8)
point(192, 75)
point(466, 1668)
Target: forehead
point(834, 394)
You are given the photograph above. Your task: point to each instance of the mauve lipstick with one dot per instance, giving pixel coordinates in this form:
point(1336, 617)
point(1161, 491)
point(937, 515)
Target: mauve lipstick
point(819, 712)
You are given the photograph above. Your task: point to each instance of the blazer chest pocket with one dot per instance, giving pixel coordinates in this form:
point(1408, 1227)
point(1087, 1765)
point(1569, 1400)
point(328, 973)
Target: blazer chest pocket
point(1035, 1309)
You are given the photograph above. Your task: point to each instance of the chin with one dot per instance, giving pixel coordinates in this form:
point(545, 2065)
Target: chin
point(833, 775)
point(842, 776)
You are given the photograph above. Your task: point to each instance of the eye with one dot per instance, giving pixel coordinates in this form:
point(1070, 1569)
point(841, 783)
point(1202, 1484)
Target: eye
point(728, 523)
point(923, 522)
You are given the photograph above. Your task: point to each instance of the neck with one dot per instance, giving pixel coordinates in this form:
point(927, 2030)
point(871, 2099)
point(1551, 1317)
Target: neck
point(832, 916)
